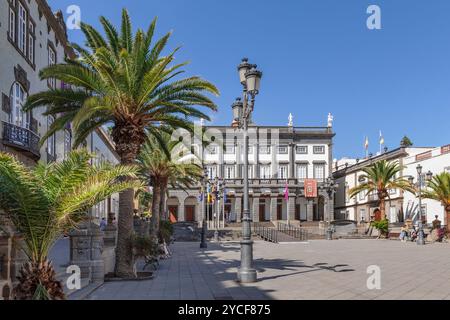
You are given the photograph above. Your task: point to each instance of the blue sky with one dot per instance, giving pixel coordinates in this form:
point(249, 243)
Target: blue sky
point(317, 57)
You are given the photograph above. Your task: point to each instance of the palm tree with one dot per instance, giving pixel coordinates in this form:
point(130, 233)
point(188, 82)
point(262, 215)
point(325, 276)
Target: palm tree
point(49, 200)
point(122, 81)
point(164, 162)
point(381, 177)
point(439, 189)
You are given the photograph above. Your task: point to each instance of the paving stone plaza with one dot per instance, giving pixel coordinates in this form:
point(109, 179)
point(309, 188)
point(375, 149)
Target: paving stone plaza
point(315, 270)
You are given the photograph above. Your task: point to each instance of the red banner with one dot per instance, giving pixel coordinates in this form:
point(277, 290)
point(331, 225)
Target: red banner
point(310, 188)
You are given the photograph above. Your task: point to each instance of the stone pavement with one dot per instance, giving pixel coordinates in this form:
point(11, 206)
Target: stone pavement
point(315, 270)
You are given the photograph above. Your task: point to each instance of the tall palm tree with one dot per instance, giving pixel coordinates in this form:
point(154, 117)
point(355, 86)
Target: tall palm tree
point(49, 200)
point(164, 163)
point(381, 177)
point(123, 81)
point(439, 189)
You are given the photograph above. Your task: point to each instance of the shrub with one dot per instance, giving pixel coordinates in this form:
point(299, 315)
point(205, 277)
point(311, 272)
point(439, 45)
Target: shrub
point(382, 226)
point(166, 230)
point(143, 246)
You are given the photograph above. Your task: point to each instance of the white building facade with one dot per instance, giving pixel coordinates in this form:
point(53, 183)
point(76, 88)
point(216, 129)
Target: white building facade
point(436, 161)
point(279, 157)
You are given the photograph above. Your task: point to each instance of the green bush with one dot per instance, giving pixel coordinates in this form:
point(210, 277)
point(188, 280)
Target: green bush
point(382, 226)
point(143, 246)
point(166, 230)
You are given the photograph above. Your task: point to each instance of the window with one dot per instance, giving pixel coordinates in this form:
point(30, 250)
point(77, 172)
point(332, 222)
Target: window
point(51, 61)
point(301, 149)
point(362, 195)
point(31, 42)
point(212, 172)
point(282, 172)
point(302, 171)
point(211, 149)
point(447, 169)
point(22, 29)
point(97, 156)
point(319, 150)
point(17, 116)
point(319, 172)
point(392, 191)
point(229, 149)
point(67, 142)
point(282, 150)
point(229, 172)
point(347, 194)
point(12, 24)
point(250, 171)
point(250, 149)
point(265, 171)
point(264, 149)
point(51, 139)
point(362, 214)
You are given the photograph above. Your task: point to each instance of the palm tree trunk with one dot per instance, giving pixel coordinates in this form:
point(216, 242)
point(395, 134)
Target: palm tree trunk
point(35, 274)
point(128, 139)
point(447, 218)
point(156, 208)
point(124, 267)
point(383, 208)
point(162, 205)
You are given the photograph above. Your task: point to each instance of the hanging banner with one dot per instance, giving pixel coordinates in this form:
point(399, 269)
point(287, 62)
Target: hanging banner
point(310, 188)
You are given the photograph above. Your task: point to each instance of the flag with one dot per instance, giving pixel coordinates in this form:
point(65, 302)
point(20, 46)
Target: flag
point(366, 143)
point(381, 138)
point(286, 191)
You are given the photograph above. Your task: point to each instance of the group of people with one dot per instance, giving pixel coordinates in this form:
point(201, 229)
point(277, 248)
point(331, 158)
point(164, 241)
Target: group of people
point(411, 233)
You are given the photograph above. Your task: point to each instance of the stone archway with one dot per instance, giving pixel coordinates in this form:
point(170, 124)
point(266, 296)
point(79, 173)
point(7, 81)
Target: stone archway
point(173, 207)
point(190, 209)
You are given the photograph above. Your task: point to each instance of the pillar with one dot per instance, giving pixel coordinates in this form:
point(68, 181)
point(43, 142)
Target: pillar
point(309, 210)
point(255, 208)
point(273, 208)
point(238, 208)
point(291, 208)
point(86, 247)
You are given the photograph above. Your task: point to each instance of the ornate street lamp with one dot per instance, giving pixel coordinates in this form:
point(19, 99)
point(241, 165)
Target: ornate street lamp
point(418, 185)
point(250, 79)
point(331, 188)
point(203, 181)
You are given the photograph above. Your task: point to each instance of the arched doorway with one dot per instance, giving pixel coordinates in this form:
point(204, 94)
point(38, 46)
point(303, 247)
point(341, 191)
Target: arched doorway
point(173, 205)
point(377, 215)
point(190, 205)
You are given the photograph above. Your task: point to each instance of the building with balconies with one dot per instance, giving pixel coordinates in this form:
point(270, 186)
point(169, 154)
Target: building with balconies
point(362, 208)
point(280, 157)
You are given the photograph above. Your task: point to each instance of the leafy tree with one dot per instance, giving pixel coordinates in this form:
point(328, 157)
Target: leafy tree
point(381, 177)
point(406, 142)
point(49, 200)
point(164, 162)
point(125, 82)
point(439, 189)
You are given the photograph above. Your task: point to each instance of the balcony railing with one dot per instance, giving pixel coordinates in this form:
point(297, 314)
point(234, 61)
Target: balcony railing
point(21, 138)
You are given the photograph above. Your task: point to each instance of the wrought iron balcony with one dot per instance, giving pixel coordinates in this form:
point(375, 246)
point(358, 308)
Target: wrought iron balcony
point(22, 139)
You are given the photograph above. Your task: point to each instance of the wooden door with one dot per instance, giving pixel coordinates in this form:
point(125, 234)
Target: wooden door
point(189, 212)
point(279, 211)
point(262, 212)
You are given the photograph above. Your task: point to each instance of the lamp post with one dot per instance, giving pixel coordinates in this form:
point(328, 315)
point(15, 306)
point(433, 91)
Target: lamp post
point(331, 188)
point(250, 79)
point(429, 176)
point(204, 178)
point(218, 185)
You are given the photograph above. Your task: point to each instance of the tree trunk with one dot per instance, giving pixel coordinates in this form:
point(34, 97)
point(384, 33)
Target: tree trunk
point(447, 219)
point(128, 138)
point(156, 208)
point(383, 209)
point(124, 267)
point(33, 274)
point(162, 205)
